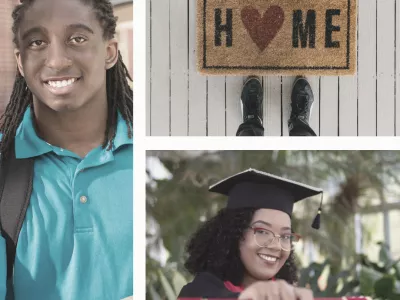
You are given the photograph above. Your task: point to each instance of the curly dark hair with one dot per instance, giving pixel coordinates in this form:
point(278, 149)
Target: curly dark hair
point(214, 248)
point(119, 92)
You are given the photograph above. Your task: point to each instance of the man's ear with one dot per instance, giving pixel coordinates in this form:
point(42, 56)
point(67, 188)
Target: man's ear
point(112, 53)
point(17, 55)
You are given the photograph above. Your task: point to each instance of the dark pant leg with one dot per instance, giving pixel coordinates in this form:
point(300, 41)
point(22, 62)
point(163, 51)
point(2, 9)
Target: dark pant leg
point(250, 128)
point(299, 128)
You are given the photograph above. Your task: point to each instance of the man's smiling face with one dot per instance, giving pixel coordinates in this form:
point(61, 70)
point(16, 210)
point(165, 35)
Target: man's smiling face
point(62, 54)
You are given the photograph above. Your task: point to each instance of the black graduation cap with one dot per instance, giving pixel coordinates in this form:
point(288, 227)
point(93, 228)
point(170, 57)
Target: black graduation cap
point(253, 188)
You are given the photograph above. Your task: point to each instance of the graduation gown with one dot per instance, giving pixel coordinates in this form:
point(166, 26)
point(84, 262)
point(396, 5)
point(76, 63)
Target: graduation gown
point(209, 286)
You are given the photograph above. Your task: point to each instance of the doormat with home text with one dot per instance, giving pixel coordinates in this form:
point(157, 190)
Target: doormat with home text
point(276, 37)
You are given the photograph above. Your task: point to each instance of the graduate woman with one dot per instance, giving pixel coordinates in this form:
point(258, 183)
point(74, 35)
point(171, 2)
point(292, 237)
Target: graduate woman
point(246, 250)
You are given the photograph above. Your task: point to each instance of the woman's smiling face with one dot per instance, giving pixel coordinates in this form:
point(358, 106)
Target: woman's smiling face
point(263, 263)
point(62, 54)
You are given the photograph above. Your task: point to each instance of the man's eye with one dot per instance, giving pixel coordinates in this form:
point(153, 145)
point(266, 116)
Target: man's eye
point(78, 40)
point(36, 43)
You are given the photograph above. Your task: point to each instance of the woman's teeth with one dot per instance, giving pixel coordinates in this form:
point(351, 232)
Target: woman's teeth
point(267, 258)
point(63, 83)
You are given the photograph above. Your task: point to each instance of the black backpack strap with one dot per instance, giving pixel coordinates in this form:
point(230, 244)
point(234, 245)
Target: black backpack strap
point(16, 178)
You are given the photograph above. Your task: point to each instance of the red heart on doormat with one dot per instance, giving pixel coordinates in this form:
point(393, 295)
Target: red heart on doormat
point(262, 30)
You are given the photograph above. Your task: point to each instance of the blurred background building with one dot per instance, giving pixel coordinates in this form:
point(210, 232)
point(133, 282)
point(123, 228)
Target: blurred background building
point(123, 9)
point(7, 62)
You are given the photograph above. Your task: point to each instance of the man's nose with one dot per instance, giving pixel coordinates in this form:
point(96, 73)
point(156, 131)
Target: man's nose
point(57, 56)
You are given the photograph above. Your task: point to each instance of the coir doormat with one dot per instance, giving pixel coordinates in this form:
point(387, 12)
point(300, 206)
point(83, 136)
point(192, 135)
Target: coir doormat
point(285, 37)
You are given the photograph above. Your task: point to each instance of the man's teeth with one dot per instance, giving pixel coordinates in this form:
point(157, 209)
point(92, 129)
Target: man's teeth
point(63, 83)
point(268, 258)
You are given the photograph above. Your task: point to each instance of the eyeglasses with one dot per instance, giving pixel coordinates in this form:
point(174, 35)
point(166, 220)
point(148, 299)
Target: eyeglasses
point(264, 237)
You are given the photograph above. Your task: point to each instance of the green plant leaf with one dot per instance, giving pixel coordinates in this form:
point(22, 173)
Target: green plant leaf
point(178, 281)
point(396, 266)
point(397, 286)
point(378, 268)
point(348, 288)
point(167, 286)
point(385, 256)
point(319, 268)
point(393, 263)
point(154, 295)
point(334, 278)
point(384, 287)
point(395, 296)
point(364, 260)
point(368, 277)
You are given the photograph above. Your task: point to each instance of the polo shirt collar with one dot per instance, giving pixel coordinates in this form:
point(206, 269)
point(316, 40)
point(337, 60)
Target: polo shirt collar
point(29, 144)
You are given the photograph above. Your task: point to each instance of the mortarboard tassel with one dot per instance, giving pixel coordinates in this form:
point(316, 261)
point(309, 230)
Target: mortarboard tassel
point(317, 220)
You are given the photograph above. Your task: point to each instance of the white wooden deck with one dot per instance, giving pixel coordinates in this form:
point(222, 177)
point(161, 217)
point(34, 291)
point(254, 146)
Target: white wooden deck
point(182, 102)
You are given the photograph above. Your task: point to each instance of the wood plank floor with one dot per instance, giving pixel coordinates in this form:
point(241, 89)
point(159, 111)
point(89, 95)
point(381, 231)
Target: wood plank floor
point(182, 102)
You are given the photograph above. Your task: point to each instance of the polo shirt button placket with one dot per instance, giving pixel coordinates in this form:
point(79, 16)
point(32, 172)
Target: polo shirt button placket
point(83, 223)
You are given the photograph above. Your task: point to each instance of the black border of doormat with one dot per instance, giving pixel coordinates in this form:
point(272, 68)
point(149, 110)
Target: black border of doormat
point(347, 67)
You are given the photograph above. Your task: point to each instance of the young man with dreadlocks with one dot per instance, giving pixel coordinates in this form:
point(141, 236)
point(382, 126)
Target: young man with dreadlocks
point(71, 110)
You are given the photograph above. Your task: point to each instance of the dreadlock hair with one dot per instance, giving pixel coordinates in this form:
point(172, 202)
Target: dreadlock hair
point(119, 93)
point(214, 248)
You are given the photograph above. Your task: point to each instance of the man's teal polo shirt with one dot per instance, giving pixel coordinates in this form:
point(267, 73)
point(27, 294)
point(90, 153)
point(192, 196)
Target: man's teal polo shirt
point(76, 241)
